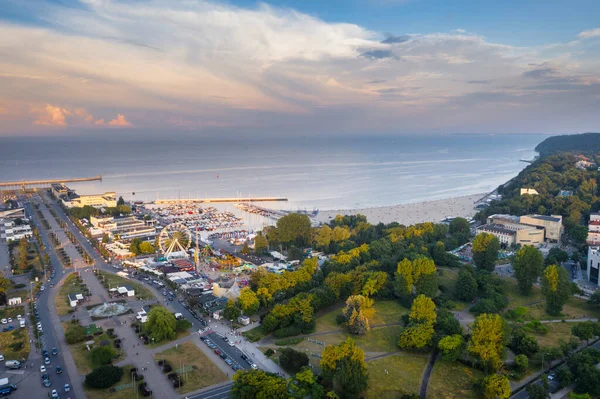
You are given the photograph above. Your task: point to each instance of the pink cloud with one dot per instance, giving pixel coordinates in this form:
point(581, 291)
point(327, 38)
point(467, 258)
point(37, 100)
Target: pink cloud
point(120, 121)
point(84, 114)
point(99, 122)
point(52, 116)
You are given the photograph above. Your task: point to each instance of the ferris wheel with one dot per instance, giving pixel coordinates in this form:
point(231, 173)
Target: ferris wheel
point(175, 237)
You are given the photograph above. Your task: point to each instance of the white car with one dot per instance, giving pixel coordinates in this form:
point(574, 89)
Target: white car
point(254, 366)
point(231, 343)
point(4, 321)
point(1, 358)
point(10, 320)
point(42, 369)
point(42, 288)
point(54, 394)
point(19, 317)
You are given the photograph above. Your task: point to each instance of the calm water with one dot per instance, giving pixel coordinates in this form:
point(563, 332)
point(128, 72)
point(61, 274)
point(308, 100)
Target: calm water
point(312, 173)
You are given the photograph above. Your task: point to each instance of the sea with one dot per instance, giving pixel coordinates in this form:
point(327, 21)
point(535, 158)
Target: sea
point(313, 173)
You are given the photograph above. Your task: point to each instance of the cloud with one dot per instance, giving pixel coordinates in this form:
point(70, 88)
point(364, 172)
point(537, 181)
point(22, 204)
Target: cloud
point(378, 54)
point(119, 121)
point(391, 39)
point(52, 116)
point(209, 65)
point(588, 34)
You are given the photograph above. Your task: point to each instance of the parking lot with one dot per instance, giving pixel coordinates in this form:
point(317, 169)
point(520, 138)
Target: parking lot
point(223, 349)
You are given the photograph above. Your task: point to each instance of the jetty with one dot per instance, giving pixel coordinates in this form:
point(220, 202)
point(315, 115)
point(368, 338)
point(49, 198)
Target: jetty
point(24, 184)
point(209, 200)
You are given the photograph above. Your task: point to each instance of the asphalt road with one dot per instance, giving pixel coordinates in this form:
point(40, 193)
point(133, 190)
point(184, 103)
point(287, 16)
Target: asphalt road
point(233, 352)
point(221, 392)
point(29, 383)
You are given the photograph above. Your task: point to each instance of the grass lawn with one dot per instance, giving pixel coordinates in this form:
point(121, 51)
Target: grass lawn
point(404, 374)
point(204, 373)
point(163, 342)
point(452, 380)
point(254, 334)
point(82, 356)
point(575, 308)
point(12, 312)
point(556, 331)
point(382, 339)
point(14, 345)
point(511, 290)
point(114, 281)
point(121, 390)
point(385, 312)
point(71, 285)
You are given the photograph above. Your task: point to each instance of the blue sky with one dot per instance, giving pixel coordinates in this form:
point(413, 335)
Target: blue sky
point(300, 67)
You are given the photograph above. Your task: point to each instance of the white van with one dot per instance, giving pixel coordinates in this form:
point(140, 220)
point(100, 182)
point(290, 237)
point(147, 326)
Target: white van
point(22, 323)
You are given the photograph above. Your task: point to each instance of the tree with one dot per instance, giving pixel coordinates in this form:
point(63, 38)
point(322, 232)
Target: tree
point(102, 355)
point(357, 312)
point(422, 310)
point(340, 234)
point(522, 363)
point(323, 236)
point(556, 287)
point(245, 249)
point(564, 376)
point(585, 330)
point(146, 248)
point(292, 361)
point(258, 384)
point(260, 244)
point(134, 246)
point(231, 311)
point(522, 343)
point(120, 201)
point(161, 324)
point(104, 377)
point(486, 342)
point(460, 229)
point(182, 325)
point(105, 239)
point(485, 251)
point(578, 234)
point(447, 324)
point(496, 387)
point(466, 286)
point(294, 228)
point(248, 301)
point(595, 298)
point(344, 368)
point(558, 254)
point(528, 264)
point(419, 275)
point(451, 346)
point(537, 391)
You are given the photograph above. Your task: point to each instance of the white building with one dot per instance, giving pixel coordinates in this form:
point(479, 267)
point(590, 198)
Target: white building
point(14, 301)
point(74, 299)
point(593, 264)
point(126, 290)
point(10, 231)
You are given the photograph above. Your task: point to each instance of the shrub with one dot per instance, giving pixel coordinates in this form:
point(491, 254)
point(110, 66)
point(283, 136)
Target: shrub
point(102, 355)
point(292, 361)
point(167, 368)
point(269, 352)
point(287, 332)
point(104, 377)
point(75, 333)
point(289, 341)
point(182, 325)
point(17, 286)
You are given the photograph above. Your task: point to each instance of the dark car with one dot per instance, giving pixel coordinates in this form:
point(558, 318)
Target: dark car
point(46, 383)
point(170, 298)
point(144, 389)
point(59, 370)
point(223, 355)
point(225, 339)
point(45, 377)
point(218, 352)
point(54, 351)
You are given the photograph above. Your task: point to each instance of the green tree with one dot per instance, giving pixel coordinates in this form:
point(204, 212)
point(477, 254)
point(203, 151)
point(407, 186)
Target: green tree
point(556, 287)
point(466, 286)
point(487, 340)
point(102, 355)
point(292, 361)
point(585, 330)
point(323, 237)
point(419, 332)
point(496, 387)
point(161, 324)
point(260, 244)
point(578, 234)
point(105, 239)
point(75, 333)
point(485, 251)
point(248, 301)
point(357, 312)
point(146, 248)
point(422, 310)
point(120, 201)
point(245, 249)
point(340, 234)
point(451, 346)
point(104, 377)
point(537, 391)
point(460, 229)
point(564, 376)
point(231, 311)
point(344, 368)
point(558, 254)
point(134, 246)
point(294, 228)
point(595, 298)
point(522, 363)
point(528, 264)
point(258, 384)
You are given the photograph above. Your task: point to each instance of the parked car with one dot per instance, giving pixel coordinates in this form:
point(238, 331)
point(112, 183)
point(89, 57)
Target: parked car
point(42, 369)
point(10, 320)
point(67, 387)
point(54, 351)
point(1, 358)
point(4, 321)
point(47, 360)
point(59, 370)
point(254, 366)
point(46, 383)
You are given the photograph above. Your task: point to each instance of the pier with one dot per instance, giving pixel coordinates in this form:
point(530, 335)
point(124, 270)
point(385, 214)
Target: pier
point(209, 200)
point(24, 184)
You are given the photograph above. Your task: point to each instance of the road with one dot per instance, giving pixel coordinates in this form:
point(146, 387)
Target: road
point(29, 382)
point(554, 386)
point(218, 392)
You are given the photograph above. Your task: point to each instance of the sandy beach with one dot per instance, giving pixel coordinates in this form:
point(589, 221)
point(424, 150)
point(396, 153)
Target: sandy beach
point(407, 214)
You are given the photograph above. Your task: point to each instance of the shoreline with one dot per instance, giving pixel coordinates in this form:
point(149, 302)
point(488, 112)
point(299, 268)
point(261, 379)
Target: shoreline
point(412, 213)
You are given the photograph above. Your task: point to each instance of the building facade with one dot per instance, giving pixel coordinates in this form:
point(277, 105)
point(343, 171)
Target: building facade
point(593, 264)
point(551, 224)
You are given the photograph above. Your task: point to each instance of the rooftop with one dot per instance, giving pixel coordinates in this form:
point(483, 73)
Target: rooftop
point(497, 228)
point(547, 218)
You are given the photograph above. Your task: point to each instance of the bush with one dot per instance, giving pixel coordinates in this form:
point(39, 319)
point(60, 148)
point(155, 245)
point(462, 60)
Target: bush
point(287, 332)
point(182, 325)
point(102, 355)
point(167, 368)
point(104, 377)
point(17, 286)
point(269, 352)
point(292, 361)
point(75, 333)
point(289, 341)
point(340, 319)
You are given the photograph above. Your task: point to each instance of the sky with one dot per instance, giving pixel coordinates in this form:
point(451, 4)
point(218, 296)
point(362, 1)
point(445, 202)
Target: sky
point(299, 68)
